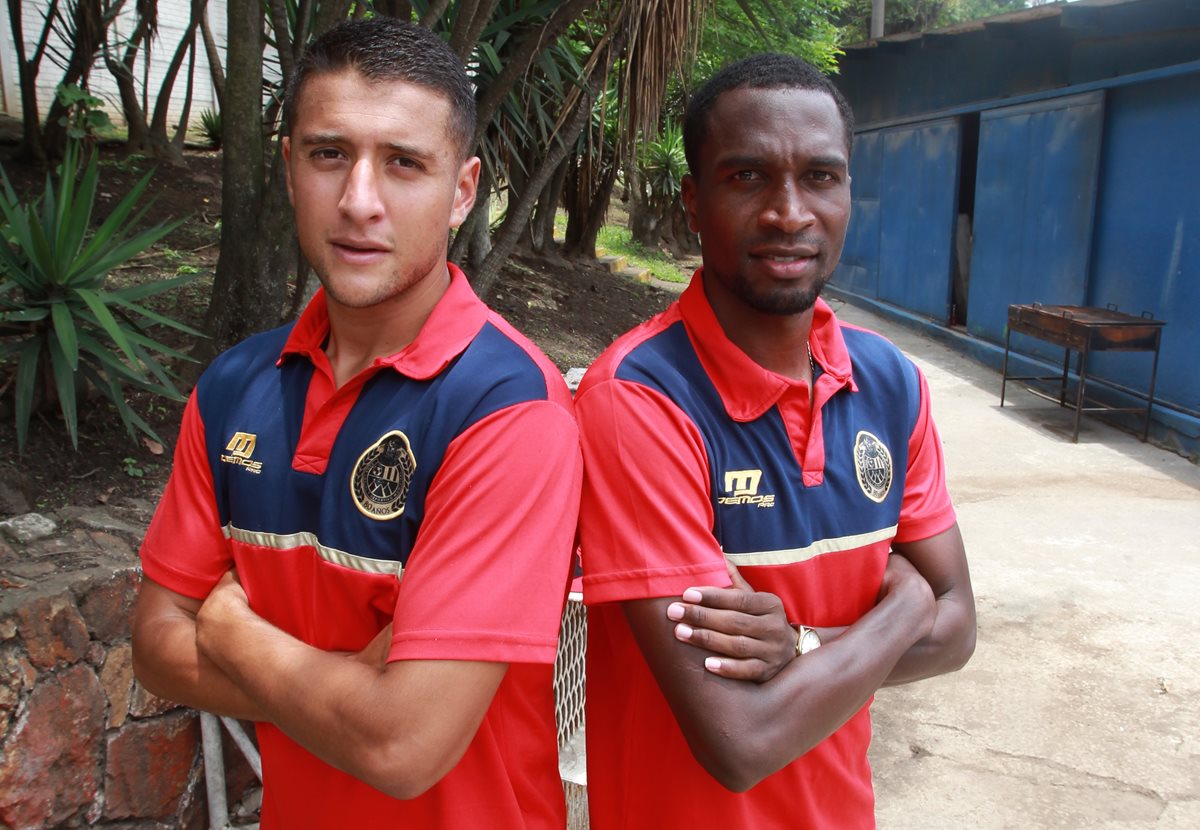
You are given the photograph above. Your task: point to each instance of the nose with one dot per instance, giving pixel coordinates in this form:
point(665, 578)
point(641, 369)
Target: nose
point(787, 209)
point(361, 200)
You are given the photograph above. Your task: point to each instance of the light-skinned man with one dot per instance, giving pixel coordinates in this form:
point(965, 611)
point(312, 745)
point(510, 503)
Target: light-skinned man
point(365, 542)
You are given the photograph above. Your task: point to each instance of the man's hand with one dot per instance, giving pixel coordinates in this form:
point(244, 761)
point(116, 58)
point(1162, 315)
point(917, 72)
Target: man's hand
point(748, 630)
point(225, 604)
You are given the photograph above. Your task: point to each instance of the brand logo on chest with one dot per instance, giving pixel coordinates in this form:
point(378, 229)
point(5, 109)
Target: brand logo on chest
point(873, 466)
point(238, 452)
point(741, 487)
point(382, 475)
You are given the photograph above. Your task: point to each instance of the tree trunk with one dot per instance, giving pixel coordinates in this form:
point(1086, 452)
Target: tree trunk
point(89, 34)
point(590, 216)
point(643, 221)
point(547, 207)
point(214, 59)
point(27, 71)
point(160, 142)
point(518, 214)
point(232, 314)
point(137, 130)
point(185, 117)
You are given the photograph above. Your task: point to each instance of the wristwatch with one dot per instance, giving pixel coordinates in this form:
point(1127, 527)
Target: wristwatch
point(807, 639)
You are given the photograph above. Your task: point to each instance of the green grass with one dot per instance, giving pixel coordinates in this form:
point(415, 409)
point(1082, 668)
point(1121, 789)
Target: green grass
point(618, 241)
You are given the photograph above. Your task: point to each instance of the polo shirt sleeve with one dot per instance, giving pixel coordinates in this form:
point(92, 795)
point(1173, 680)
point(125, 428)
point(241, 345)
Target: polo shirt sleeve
point(646, 517)
point(184, 549)
point(926, 510)
point(487, 577)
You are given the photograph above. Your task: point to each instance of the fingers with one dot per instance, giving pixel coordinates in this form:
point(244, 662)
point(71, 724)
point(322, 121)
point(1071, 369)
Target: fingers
point(732, 622)
point(736, 646)
point(756, 671)
point(733, 599)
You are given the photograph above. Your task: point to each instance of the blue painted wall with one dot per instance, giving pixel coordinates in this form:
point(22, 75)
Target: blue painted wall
point(1086, 186)
point(1146, 246)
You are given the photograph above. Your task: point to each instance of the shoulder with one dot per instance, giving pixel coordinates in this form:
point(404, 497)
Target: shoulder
point(640, 351)
point(239, 365)
point(877, 359)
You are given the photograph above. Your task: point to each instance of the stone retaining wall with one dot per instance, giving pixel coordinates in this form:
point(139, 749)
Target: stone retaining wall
point(82, 743)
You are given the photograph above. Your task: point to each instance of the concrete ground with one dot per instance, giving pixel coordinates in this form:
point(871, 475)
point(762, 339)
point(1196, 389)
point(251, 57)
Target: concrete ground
point(1081, 706)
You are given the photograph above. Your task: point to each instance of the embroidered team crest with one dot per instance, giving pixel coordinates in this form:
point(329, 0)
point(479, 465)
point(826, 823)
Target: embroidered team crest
point(381, 477)
point(873, 466)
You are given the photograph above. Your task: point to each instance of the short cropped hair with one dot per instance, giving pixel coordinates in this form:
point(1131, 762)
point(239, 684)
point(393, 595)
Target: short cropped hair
point(386, 49)
point(764, 71)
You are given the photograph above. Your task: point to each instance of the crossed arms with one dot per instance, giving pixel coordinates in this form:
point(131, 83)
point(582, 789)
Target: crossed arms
point(707, 664)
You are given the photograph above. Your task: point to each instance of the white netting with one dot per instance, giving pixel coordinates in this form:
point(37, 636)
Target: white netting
point(569, 669)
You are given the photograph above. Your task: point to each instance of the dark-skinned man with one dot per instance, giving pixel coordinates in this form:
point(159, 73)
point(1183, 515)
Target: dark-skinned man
point(766, 533)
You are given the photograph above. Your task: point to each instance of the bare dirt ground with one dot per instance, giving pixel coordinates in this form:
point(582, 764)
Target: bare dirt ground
point(571, 309)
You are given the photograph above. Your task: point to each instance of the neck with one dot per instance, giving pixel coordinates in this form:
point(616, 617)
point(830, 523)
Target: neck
point(777, 342)
point(358, 336)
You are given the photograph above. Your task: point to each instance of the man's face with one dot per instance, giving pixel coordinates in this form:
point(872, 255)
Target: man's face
point(770, 198)
point(376, 182)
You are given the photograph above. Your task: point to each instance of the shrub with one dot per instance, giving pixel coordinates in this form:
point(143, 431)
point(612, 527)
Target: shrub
point(210, 126)
point(64, 327)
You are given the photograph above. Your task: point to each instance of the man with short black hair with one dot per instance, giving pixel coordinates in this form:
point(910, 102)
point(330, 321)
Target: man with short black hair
point(395, 478)
point(766, 534)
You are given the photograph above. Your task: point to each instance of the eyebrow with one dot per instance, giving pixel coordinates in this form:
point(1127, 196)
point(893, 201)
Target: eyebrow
point(314, 139)
point(835, 162)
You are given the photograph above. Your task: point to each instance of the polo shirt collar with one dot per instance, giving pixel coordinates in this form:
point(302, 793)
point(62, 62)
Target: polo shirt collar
point(452, 325)
point(748, 390)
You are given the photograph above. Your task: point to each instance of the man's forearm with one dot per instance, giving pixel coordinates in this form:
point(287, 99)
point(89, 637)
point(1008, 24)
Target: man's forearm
point(740, 731)
point(168, 663)
point(399, 727)
point(946, 649)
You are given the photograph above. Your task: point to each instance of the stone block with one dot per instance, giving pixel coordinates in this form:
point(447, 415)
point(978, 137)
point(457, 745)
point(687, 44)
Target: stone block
point(50, 760)
point(28, 527)
point(117, 679)
point(107, 607)
point(53, 631)
point(149, 767)
point(17, 676)
point(7, 552)
point(97, 518)
point(114, 545)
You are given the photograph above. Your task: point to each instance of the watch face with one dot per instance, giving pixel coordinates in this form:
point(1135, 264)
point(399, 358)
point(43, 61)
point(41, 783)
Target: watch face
point(809, 640)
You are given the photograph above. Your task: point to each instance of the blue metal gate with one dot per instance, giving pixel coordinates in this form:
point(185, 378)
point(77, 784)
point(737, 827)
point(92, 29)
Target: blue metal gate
point(1034, 201)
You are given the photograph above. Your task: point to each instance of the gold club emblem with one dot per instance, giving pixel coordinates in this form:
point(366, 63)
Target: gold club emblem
point(381, 477)
point(873, 466)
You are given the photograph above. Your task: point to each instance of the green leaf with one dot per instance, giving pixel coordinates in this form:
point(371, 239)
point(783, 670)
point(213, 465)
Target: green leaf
point(26, 385)
point(64, 382)
point(64, 330)
point(106, 320)
point(149, 289)
point(156, 317)
point(26, 315)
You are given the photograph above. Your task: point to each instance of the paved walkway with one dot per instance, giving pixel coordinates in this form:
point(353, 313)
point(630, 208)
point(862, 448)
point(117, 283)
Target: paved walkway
point(1081, 706)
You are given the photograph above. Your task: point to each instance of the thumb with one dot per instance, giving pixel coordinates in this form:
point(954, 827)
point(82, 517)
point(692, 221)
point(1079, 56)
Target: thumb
point(739, 582)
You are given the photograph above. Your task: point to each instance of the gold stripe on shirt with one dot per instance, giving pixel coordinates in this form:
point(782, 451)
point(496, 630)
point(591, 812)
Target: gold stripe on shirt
point(290, 541)
point(794, 556)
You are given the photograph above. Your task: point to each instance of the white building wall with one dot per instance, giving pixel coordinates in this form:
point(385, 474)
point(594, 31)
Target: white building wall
point(172, 23)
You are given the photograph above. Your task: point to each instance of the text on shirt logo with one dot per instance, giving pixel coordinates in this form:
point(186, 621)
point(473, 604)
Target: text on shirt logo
point(239, 449)
point(742, 488)
point(381, 477)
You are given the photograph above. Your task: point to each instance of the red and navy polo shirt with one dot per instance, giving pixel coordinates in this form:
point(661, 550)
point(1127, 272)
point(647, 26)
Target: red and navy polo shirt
point(696, 455)
point(436, 490)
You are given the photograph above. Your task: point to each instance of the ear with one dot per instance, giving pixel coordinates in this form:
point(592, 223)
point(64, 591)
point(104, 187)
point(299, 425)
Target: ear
point(464, 191)
point(687, 192)
point(287, 167)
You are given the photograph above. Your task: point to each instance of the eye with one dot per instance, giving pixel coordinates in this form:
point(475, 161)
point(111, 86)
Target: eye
point(407, 163)
point(824, 177)
point(746, 176)
point(326, 154)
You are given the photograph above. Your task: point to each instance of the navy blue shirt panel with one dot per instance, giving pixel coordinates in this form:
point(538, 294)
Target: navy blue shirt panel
point(245, 392)
point(887, 406)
